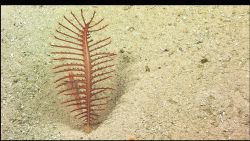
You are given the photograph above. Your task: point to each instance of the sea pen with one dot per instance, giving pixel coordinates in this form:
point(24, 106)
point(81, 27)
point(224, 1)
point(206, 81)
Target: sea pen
point(81, 67)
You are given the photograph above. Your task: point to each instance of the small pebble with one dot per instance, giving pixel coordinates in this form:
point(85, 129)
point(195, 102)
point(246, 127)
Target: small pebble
point(204, 60)
point(121, 51)
point(165, 50)
point(147, 69)
point(15, 81)
point(199, 42)
point(131, 29)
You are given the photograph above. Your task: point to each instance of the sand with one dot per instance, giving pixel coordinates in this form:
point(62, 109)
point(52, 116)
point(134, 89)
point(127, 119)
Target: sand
point(182, 73)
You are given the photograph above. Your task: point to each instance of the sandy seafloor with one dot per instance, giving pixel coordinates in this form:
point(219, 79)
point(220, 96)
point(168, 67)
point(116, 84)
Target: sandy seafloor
point(182, 73)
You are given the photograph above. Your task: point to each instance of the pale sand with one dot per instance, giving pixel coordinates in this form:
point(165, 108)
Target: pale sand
point(183, 73)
